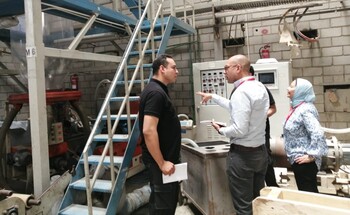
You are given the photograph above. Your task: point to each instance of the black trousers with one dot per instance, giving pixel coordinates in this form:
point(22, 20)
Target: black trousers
point(246, 174)
point(164, 197)
point(270, 177)
point(306, 176)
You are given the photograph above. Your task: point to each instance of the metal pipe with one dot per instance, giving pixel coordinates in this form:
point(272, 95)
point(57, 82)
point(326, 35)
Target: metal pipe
point(189, 141)
point(336, 131)
point(235, 12)
point(82, 32)
point(247, 33)
point(136, 199)
point(346, 154)
point(3, 131)
point(338, 154)
point(273, 18)
point(6, 192)
point(84, 16)
point(117, 5)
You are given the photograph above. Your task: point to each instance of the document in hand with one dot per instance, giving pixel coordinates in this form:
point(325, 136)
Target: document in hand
point(221, 124)
point(180, 174)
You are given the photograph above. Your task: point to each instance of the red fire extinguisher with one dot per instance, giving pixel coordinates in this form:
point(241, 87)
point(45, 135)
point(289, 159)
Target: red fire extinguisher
point(74, 82)
point(264, 51)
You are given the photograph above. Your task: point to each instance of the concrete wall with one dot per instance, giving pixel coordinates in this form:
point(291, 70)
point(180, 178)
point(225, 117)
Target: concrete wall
point(325, 63)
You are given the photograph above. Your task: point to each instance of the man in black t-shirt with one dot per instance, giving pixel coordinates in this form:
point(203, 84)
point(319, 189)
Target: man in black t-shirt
point(161, 135)
point(270, 177)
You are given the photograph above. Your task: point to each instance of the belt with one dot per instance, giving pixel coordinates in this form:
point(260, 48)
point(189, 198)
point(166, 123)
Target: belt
point(235, 147)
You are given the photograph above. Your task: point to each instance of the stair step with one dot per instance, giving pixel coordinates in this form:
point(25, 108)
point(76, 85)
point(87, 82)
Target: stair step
point(135, 82)
point(67, 207)
point(157, 26)
point(76, 209)
point(122, 117)
point(115, 138)
point(148, 51)
point(120, 99)
point(156, 38)
point(104, 186)
point(94, 159)
point(146, 65)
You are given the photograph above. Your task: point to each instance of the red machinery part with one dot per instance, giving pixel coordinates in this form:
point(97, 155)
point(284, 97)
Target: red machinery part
point(51, 97)
point(54, 149)
point(119, 148)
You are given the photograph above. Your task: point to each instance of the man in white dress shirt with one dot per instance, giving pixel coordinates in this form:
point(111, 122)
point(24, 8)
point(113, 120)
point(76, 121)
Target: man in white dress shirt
point(247, 159)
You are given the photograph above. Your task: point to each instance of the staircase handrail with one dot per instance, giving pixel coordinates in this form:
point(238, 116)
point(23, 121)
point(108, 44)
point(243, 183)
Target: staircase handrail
point(186, 4)
point(105, 108)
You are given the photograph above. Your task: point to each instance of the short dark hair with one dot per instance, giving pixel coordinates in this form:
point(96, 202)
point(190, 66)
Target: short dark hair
point(251, 70)
point(161, 60)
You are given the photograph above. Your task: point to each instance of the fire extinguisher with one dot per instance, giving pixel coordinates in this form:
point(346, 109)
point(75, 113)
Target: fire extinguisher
point(264, 51)
point(74, 82)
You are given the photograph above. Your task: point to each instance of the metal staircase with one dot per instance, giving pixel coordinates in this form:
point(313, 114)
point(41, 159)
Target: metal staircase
point(149, 38)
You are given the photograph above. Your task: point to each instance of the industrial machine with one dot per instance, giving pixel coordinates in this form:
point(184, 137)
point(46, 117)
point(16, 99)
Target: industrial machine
point(273, 200)
point(12, 203)
point(69, 128)
point(209, 77)
point(207, 185)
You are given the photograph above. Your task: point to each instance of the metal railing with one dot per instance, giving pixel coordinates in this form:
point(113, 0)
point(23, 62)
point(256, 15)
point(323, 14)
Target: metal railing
point(105, 108)
point(184, 11)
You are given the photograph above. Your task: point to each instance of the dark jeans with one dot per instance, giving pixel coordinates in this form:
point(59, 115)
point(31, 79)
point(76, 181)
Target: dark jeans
point(306, 176)
point(164, 197)
point(246, 174)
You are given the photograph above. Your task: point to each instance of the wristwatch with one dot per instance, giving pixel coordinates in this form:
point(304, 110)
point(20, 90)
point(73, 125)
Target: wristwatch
point(312, 158)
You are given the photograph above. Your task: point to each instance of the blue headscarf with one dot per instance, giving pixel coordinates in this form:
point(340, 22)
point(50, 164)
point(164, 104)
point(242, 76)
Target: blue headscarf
point(304, 92)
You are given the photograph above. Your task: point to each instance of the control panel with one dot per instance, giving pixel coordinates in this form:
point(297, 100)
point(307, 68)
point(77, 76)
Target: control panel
point(209, 77)
point(213, 81)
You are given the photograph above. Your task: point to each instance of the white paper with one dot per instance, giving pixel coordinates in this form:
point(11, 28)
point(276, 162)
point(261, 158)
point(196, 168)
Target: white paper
point(180, 174)
point(222, 124)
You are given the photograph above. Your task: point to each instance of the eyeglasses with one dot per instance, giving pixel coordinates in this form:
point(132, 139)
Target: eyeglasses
point(227, 67)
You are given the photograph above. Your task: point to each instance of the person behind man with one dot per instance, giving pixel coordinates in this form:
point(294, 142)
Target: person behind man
point(304, 139)
point(270, 177)
point(161, 135)
point(247, 158)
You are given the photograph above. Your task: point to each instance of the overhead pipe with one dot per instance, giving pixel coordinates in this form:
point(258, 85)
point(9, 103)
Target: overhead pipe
point(84, 16)
point(231, 13)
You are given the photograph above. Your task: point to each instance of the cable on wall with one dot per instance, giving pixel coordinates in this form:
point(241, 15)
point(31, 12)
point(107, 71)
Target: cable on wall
point(297, 31)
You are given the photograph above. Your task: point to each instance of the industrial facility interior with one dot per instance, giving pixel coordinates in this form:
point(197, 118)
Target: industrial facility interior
point(71, 75)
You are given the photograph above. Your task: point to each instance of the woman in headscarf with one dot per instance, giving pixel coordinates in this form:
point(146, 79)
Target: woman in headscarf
point(304, 139)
